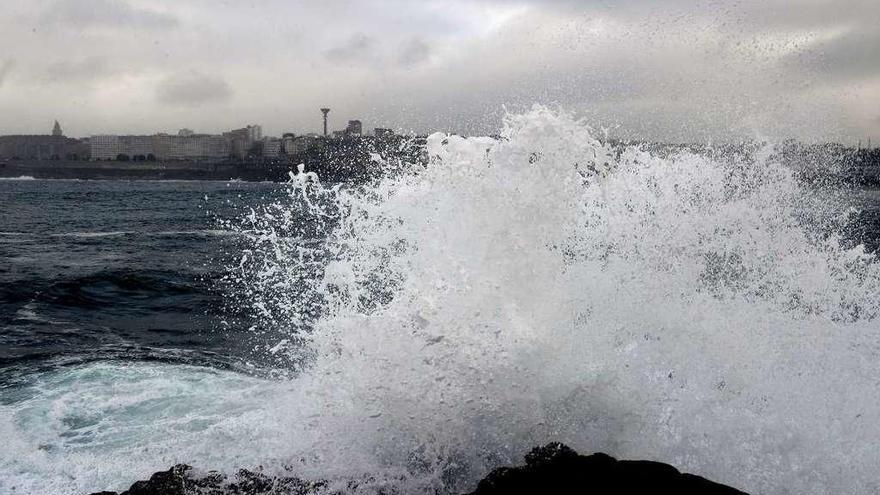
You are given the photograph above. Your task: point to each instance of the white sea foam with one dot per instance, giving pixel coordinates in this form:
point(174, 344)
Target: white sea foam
point(23, 177)
point(31, 178)
point(104, 425)
point(516, 291)
point(87, 235)
point(200, 232)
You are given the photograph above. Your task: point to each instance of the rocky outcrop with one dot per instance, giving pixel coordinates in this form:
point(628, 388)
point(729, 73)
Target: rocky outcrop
point(556, 468)
point(552, 469)
point(181, 480)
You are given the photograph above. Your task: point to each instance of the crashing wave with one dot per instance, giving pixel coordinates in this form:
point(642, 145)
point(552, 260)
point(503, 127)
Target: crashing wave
point(543, 285)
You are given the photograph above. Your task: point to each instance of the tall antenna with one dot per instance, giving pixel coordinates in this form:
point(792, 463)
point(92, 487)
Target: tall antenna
point(325, 111)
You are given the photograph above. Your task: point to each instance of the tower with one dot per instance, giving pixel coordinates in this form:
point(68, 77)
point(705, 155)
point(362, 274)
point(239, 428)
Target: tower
point(325, 111)
point(56, 131)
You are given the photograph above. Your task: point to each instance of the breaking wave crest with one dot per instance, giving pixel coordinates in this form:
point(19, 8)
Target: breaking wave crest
point(544, 286)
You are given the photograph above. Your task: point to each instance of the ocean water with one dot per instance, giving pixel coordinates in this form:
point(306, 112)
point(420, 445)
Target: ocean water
point(414, 333)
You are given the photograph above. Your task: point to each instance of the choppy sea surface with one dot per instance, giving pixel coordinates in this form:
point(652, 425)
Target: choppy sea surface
point(720, 317)
point(107, 270)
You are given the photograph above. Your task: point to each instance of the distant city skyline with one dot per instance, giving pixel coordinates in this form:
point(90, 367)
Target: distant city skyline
point(184, 145)
point(355, 127)
point(351, 126)
point(677, 70)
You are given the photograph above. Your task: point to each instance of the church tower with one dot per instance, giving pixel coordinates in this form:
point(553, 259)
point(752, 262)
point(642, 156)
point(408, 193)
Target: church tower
point(56, 131)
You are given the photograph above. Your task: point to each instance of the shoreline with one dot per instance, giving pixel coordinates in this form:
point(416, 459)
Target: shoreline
point(342, 166)
point(148, 171)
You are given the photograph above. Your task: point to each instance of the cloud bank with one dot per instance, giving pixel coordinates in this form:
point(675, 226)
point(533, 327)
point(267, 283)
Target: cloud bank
point(193, 89)
point(675, 70)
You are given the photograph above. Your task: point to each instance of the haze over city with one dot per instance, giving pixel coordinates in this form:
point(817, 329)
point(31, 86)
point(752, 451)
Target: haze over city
point(683, 71)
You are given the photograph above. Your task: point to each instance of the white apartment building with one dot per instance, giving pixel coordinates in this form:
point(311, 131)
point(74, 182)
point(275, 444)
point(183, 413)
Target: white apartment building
point(185, 145)
point(160, 146)
point(272, 147)
point(109, 147)
point(191, 147)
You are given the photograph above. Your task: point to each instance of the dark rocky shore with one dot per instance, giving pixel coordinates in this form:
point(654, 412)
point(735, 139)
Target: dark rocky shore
point(551, 469)
point(556, 468)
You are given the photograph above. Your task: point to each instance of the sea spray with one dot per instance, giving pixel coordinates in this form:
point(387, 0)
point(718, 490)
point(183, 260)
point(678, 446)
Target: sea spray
point(546, 285)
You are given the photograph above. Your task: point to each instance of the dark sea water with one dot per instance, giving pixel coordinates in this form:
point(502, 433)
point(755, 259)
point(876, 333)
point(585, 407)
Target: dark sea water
point(105, 270)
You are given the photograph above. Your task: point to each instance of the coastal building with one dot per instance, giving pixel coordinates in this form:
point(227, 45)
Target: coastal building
point(354, 128)
point(104, 147)
point(242, 140)
point(109, 147)
point(159, 147)
point(191, 147)
point(54, 146)
point(272, 147)
point(300, 144)
point(287, 143)
point(137, 146)
point(42, 147)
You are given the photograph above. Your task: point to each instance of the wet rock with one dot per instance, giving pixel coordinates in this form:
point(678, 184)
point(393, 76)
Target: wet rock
point(169, 482)
point(552, 469)
point(557, 469)
point(181, 480)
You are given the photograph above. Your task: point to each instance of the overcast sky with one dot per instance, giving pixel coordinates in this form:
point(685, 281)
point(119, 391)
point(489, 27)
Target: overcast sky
point(677, 70)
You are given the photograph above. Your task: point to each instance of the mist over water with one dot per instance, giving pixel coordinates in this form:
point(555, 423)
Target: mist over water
point(541, 286)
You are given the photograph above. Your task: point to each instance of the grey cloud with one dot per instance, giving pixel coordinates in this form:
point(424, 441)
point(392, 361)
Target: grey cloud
point(854, 54)
point(5, 69)
point(414, 52)
point(193, 89)
point(359, 48)
point(659, 69)
point(86, 69)
point(363, 50)
point(740, 16)
point(80, 14)
point(809, 14)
